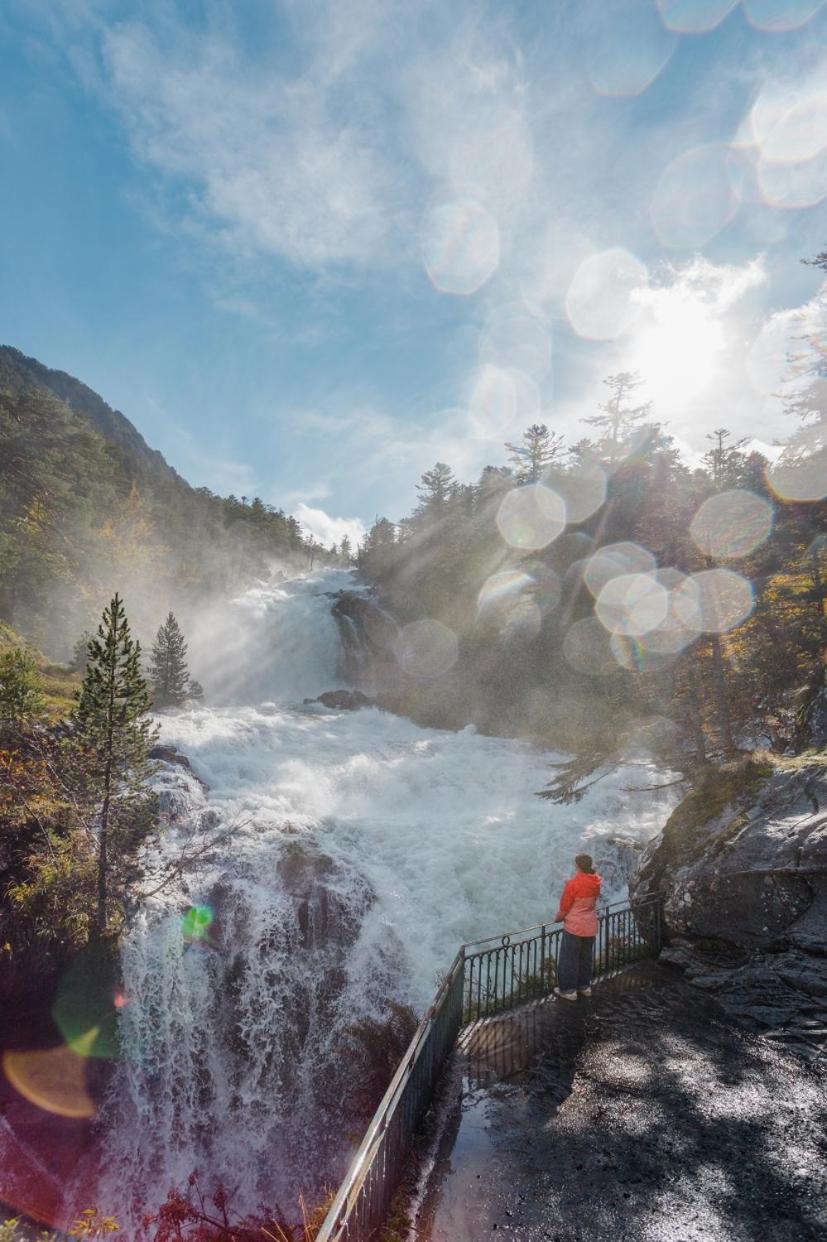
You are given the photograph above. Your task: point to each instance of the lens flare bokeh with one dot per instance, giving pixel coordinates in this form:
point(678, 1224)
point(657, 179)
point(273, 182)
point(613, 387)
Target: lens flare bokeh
point(787, 129)
point(714, 601)
point(632, 654)
point(583, 490)
point(502, 587)
point(53, 1079)
point(627, 48)
point(84, 1009)
point(531, 517)
point(587, 648)
point(600, 302)
point(631, 604)
point(800, 473)
point(502, 401)
point(694, 16)
point(460, 244)
point(780, 15)
point(696, 197)
point(615, 559)
point(516, 341)
point(426, 648)
point(731, 524)
point(196, 923)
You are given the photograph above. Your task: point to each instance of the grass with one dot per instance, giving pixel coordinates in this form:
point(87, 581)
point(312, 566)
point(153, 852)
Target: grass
point(59, 682)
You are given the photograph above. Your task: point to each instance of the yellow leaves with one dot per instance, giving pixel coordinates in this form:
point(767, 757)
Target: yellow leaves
point(93, 1224)
point(126, 550)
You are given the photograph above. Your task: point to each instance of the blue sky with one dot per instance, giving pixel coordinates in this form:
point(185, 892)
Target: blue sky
point(311, 246)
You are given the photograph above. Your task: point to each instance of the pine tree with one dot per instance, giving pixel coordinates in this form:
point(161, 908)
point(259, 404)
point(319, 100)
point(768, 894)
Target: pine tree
point(108, 752)
point(618, 418)
point(436, 487)
point(168, 672)
point(345, 550)
point(540, 447)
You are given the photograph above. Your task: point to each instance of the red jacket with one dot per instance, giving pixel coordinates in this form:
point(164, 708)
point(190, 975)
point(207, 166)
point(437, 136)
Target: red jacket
point(578, 905)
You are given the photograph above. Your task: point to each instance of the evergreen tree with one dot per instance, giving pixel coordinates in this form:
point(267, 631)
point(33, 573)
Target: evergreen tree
point(108, 752)
point(195, 691)
point(539, 448)
point(436, 488)
point(724, 462)
point(345, 550)
point(618, 418)
point(20, 687)
point(168, 673)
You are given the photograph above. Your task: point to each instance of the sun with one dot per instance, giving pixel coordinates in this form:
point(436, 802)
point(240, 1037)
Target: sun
point(678, 350)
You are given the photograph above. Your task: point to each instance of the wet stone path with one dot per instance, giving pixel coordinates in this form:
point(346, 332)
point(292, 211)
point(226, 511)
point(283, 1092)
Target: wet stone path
point(641, 1115)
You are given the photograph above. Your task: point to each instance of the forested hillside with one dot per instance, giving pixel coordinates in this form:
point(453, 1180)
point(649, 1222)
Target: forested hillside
point(88, 509)
point(609, 597)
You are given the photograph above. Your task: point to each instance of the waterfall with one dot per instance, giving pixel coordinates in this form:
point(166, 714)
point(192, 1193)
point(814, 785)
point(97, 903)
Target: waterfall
point(353, 853)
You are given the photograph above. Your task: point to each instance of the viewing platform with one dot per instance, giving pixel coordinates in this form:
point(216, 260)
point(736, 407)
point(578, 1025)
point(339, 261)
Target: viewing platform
point(641, 1113)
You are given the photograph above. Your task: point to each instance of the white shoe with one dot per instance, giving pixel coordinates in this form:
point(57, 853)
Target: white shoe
point(565, 995)
point(584, 991)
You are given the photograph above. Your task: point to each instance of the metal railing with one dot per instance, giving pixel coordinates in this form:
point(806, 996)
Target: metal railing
point(481, 983)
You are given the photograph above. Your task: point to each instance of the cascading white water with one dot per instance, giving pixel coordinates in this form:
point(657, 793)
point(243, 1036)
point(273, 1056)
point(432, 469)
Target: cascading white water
point(362, 851)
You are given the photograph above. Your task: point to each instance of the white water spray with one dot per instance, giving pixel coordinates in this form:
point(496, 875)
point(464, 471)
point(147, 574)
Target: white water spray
point(362, 851)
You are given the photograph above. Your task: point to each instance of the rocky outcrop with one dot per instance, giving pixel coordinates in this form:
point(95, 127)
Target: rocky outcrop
point(344, 700)
point(742, 864)
point(368, 634)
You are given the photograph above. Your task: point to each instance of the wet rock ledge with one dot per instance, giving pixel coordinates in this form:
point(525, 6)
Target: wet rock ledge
point(742, 863)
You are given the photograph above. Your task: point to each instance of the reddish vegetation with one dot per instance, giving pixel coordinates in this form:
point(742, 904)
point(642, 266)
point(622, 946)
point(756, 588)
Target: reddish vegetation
point(192, 1217)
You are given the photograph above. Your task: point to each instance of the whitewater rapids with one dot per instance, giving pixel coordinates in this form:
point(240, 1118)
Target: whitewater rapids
point(352, 853)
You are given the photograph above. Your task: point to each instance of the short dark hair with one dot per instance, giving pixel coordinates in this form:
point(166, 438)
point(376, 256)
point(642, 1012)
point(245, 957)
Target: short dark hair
point(584, 862)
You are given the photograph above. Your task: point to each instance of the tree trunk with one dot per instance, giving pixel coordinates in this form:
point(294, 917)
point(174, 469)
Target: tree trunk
point(720, 690)
point(695, 716)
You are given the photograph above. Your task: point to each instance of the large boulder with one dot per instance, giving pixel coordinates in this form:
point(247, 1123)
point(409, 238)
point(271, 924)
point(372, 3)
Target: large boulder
point(344, 700)
point(742, 865)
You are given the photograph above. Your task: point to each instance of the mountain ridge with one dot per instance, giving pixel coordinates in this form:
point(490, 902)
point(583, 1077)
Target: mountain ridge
point(112, 424)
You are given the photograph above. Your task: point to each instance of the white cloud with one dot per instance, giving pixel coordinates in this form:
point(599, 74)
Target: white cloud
point(271, 158)
point(687, 326)
point(328, 529)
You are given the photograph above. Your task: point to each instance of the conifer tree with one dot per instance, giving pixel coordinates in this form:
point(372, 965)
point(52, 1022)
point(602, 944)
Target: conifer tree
point(108, 752)
point(168, 673)
point(618, 418)
point(538, 450)
point(436, 487)
point(724, 461)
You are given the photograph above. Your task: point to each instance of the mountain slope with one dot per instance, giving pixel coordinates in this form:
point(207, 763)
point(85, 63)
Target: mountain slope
point(88, 508)
point(19, 373)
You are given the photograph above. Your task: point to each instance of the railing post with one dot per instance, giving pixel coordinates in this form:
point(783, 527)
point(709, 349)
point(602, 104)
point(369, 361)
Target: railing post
point(543, 980)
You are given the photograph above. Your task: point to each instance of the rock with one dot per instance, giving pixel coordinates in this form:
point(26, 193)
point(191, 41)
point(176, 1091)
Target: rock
point(742, 864)
point(368, 634)
point(344, 700)
point(168, 754)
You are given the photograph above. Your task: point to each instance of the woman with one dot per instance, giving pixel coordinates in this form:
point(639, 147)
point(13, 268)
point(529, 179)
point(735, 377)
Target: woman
point(578, 914)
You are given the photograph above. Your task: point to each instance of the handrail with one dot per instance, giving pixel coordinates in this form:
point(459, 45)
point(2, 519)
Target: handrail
point(603, 908)
point(363, 1200)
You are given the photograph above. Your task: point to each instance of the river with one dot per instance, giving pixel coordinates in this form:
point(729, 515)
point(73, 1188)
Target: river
point(346, 856)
